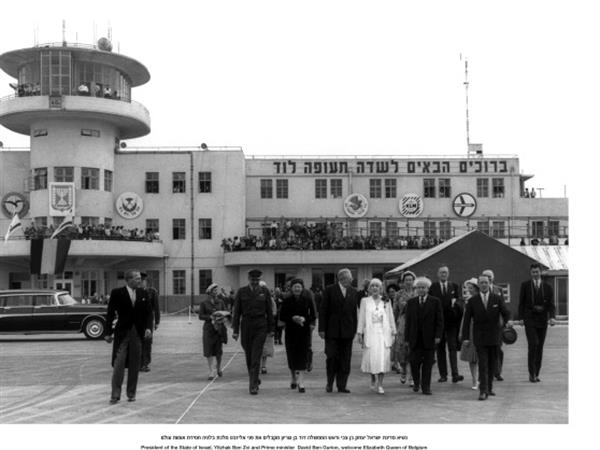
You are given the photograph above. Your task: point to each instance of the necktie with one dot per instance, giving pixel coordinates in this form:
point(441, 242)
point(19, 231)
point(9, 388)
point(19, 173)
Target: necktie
point(421, 301)
point(485, 300)
point(443, 288)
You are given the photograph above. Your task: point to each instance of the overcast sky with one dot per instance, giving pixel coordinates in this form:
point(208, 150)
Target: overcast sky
point(364, 78)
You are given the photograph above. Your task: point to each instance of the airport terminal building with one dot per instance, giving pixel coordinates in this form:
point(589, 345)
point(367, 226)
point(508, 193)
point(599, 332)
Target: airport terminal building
point(76, 104)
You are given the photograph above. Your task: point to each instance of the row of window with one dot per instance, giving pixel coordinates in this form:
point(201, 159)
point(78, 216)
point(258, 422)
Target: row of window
point(383, 188)
point(179, 281)
point(90, 177)
point(179, 182)
point(87, 132)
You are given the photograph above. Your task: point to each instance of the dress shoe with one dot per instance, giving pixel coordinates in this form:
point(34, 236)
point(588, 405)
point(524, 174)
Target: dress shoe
point(443, 379)
point(293, 385)
point(114, 401)
point(302, 390)
point(144, 369)
point(499, 378)
point(483, 396)
point(537, 380)
point(211, 377)
point(131, 399)
point(427, 393)
point(329, 388)
point(532, 378)
point(415, 388)
point(263, 370)
point(219, 373)
point(254, 391)
point(380, 390)
point(457, 378)
point(344, 391)
point(492, 393)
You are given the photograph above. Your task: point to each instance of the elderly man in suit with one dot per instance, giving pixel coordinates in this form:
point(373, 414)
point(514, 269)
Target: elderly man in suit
point(450, 295)
point(147, 343)
point(485, 310)
point(423, 331)
point(253, 313)
point(537, 310)
point(130, 305)
point(338, 321)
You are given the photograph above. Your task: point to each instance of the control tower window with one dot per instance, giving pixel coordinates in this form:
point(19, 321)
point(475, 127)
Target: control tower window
point(40, 178)
point(55, 72)
point(97, 80)
point(63, 174)
point(90, 178)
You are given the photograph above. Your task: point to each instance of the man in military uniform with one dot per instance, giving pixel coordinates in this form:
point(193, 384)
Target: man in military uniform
point(147, 343)
point(252, 306)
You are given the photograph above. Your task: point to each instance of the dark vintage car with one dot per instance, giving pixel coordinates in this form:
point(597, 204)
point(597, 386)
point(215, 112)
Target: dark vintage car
point(37, 311)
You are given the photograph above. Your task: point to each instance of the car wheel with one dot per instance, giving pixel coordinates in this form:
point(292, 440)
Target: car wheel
point(94, 328)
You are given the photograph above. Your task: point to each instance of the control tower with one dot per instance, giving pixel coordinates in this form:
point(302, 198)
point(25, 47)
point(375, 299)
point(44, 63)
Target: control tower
point(75, 103)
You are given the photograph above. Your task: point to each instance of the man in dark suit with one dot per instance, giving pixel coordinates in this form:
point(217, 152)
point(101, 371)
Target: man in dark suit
point(485, 309)
point(498, 291)
point(253, 309)
point(130, 306)
point(423, 331)
point(338, 320)
point(536, 310)
point(452, 307)
point(147, 343)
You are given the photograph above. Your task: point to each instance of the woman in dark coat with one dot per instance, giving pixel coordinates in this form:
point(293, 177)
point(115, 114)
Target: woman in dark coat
point(299, 315)
point(214, 333)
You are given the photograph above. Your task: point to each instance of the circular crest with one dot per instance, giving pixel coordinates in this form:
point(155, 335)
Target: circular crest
point(356, 205)
point(464, 205)
point(14, 202)
point(411, 205)
point(129, 205)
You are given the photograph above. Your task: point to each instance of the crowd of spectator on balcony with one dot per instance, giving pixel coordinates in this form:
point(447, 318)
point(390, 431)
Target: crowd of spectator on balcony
point(298, 235)
point(85, 89)
point(100, 232)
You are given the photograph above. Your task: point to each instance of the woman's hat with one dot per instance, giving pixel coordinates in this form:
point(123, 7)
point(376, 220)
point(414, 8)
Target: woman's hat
point(211, 287)
point(299, 281)
point(509, 336)
point(406, 273)
point(474, 281)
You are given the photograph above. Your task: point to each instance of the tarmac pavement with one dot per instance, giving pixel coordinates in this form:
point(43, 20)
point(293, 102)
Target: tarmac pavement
point(66, 380)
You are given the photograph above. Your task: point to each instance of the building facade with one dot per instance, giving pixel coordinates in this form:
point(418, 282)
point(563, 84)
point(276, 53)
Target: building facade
point(76, 105)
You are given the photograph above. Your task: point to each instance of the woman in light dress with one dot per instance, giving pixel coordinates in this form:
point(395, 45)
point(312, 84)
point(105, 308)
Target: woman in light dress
point(376, 330)
point(467, 351)
point(400, 349)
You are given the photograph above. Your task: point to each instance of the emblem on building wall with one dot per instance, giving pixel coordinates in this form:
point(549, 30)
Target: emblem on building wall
point(14, 202)
point(464, 205)
point(356, 205)
point(62, 199)
point(129, 205)
point(411, 205)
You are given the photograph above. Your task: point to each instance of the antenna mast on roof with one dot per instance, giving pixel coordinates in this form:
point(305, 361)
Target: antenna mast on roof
point(109, 32)
point(64, 33)
point(36, 35)
point(472, 149)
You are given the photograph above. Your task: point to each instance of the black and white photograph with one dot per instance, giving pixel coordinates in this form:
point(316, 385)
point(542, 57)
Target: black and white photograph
point(294, 218)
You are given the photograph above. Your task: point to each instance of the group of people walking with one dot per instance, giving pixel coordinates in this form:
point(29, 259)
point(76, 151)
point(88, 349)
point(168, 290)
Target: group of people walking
point(406, 327)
